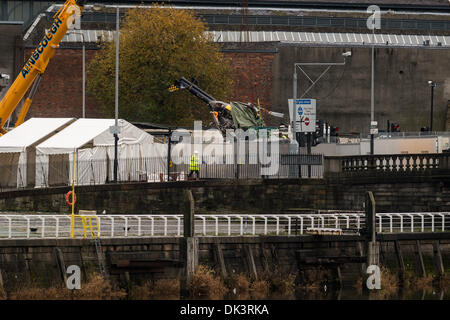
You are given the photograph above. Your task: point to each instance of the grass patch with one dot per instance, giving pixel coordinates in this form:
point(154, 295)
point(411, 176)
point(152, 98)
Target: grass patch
point(205, 284)
point(96, 288)
point(164, 289)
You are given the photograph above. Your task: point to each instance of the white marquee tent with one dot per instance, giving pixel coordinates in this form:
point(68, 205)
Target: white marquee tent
point(92, 143)
point(17, 150)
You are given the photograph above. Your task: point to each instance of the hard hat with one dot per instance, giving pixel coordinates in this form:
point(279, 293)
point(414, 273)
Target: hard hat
point(195, 151)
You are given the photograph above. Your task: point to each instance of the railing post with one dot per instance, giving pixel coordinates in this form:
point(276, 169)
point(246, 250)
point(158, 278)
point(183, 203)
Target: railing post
point(241, 226)
point(301, 225)
point(152, 228)
point(412, 222)
point(217, 225)
point(278, 224)
point(229, 225)
point(9, 228)
point(43, 227)
point(56, 227)
point(289, 225)
point(371, 163)
point(254, 225)
point(204, 225)
point(112, 227)
point(28, 227)
point(265, 225)
point(139, 227)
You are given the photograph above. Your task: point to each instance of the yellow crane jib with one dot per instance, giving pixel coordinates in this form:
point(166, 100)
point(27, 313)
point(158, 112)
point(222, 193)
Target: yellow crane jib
point(31, 73)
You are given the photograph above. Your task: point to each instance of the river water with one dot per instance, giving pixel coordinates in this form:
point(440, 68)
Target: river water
point(353, 294)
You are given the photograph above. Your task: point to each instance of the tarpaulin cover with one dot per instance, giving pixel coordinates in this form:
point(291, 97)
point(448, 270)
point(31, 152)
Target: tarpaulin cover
point(243, 116)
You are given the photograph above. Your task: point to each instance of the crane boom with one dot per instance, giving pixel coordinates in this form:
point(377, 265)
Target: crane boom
point(33, 69)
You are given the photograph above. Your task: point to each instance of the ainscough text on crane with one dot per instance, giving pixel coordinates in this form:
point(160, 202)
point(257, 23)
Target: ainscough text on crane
point(40, 49)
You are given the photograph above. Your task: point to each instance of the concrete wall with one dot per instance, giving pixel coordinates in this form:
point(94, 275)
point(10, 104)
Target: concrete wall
point(386, 146)
point(396, 146)
point(333, 149)
point(394, 193)
point(11, 49)
point(402, 93)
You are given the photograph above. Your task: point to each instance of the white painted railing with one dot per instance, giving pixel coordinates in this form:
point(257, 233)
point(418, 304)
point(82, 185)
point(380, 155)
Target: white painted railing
point(112, 226)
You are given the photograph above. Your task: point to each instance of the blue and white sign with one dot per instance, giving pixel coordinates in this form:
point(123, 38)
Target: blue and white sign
point(306, 120)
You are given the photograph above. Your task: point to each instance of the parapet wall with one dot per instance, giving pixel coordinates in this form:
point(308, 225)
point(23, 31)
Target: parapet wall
point(393, 193)
point(42, 261)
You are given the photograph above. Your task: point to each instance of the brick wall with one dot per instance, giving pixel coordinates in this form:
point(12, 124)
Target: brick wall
point(252, 76)
point(60, 91)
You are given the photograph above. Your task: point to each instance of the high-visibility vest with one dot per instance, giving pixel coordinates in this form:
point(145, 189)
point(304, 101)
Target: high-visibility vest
point(194, 162)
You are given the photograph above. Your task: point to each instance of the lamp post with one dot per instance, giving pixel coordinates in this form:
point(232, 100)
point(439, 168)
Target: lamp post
point(116, 111)
point(372, 94)
point(373, 22)
point(115, 130)
point(84, 72)
point(432, 85)
point(293, 147)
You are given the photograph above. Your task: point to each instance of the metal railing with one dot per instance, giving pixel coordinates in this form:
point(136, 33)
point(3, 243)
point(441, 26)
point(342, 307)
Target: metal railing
point(117, 226)
point(57, 171)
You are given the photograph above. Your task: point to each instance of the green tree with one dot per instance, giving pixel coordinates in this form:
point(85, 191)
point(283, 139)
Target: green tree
point(157, 46)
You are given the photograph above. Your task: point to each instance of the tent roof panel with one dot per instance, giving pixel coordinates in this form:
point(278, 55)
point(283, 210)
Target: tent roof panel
point(84, 131)
point(75, 136)
point(30, 132)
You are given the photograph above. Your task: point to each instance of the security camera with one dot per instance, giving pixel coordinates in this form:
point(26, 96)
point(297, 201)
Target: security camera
point(4, 76)
point(347, 54)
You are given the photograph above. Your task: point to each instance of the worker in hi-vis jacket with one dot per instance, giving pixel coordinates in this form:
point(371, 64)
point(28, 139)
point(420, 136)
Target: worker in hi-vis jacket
point(194, 165)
